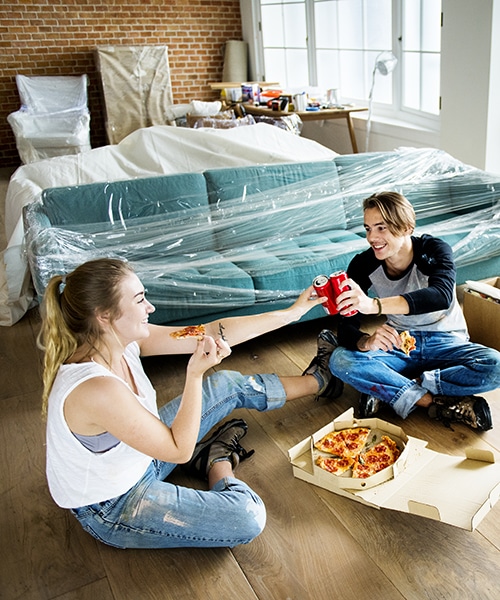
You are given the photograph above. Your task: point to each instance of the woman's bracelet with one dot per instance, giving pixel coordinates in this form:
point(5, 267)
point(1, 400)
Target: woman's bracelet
point(379, 304)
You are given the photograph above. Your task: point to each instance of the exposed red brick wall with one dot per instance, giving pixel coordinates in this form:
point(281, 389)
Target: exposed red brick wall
point(57, 37)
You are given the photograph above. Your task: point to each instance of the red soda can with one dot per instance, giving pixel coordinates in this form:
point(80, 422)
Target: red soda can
point(336, 281)
point(323, 288)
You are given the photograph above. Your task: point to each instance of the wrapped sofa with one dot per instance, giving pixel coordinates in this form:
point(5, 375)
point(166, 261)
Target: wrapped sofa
point(242, 240)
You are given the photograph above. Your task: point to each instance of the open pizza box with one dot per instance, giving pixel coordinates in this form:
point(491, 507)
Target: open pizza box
point(458, 490)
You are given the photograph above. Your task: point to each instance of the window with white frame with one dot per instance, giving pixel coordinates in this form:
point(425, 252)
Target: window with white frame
point(334, 44)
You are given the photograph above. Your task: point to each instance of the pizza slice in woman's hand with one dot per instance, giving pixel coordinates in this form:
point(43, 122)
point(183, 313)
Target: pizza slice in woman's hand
point(196, 331)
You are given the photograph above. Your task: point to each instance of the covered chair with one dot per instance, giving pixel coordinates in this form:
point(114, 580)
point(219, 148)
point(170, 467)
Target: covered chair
point(54, 119)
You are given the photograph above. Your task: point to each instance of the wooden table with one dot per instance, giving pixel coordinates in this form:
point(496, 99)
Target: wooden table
point(322, 114)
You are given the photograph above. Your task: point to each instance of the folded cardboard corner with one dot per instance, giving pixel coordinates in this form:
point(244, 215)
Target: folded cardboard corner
point(482, 311)
point(458, 490)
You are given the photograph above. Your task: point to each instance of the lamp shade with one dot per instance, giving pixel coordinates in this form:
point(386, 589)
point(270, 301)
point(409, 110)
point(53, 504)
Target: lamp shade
point(385, 63)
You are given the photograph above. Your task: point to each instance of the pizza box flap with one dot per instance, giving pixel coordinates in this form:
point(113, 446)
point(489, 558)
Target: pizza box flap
point(458, 490)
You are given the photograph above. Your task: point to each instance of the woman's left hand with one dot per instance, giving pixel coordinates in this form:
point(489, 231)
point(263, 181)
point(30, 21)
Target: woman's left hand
point(209, 352)
point(307, 300)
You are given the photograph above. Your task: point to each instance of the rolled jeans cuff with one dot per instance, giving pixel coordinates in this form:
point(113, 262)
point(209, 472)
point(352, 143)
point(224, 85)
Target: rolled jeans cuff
point(430, 381)
point(407, 398)
point(275, 392)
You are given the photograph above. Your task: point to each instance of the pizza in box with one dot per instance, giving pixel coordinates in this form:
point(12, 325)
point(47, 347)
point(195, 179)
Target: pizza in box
point(356, 451)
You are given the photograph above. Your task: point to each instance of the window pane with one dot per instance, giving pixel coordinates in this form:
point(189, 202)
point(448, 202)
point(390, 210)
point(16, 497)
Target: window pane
point(411, 86)
point(272, 26)
point(325, 19)
point(284, 24)
point(328, 69)
point(422, 25)
point(275, 65)
point(350, 24)
point(411, 25)
point(430, 83)
point(352, 72)
point(378, 23)
point(297, 73)
point(287, 66)
point(294, 18)
point(431, 26)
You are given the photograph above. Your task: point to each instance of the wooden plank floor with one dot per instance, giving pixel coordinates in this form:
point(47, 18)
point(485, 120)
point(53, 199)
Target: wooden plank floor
point(315, 545)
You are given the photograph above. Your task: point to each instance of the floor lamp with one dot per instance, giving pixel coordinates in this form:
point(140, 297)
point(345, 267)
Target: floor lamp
point(385, 63)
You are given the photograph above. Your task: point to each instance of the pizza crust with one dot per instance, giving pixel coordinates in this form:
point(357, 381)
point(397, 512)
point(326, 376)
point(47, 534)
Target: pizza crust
point(334, 465)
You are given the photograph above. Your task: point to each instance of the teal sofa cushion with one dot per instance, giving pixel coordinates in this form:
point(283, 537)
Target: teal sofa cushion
point(360, 175)
point(122, 200)
point(473, 191)
point(186, 288)
point(252, 204)
point(293, 264)
point(238, 182)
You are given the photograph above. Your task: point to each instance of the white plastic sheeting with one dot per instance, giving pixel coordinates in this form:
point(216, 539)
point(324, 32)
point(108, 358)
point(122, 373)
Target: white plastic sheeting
point(53, 119)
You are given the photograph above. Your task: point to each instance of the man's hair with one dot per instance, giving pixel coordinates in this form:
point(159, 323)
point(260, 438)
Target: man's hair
point(396, 211)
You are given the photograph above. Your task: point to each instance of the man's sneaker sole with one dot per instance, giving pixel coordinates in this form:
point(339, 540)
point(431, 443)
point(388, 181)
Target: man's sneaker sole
point(484, 422)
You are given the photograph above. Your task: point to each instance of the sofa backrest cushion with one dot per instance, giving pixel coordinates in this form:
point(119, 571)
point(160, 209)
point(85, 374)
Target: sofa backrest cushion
point(123, 200)
point(361, 175)
point(267, 201)
point(474, 191)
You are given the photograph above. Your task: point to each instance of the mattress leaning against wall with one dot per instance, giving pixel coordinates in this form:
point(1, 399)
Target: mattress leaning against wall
point(136, 86)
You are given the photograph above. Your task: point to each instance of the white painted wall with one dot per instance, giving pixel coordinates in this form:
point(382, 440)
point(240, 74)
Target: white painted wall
point(384, 135)
point(470, 82)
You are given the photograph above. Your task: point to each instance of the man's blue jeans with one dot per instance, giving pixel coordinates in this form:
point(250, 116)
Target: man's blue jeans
point(442, 364)
point(158, 514)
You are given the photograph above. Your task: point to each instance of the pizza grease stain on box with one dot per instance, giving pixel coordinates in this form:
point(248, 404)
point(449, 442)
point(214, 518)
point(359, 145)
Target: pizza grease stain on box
point(456, 490)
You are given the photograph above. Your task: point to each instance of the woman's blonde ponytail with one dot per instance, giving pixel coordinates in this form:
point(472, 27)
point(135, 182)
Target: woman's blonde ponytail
point(55, 339)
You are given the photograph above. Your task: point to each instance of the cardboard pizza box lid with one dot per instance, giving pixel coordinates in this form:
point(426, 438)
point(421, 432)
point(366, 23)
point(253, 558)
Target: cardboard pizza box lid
point(458, 490)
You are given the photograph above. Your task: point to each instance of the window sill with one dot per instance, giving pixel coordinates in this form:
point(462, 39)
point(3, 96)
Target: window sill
point(397, 128)
point(393, 122)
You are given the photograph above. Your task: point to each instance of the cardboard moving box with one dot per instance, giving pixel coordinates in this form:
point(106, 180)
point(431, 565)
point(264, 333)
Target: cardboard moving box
point(451, 489)
point(482, 312)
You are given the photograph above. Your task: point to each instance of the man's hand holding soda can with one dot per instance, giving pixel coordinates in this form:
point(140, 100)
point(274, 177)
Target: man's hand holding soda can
point(331, 287)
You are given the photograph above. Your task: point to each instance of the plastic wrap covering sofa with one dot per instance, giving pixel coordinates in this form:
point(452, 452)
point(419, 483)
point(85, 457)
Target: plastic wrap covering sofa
point(53, 119)
point(249, 239)
point(148, 152)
